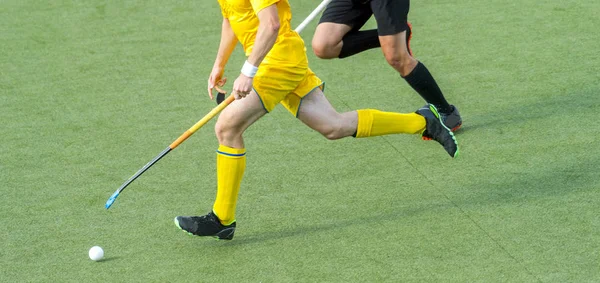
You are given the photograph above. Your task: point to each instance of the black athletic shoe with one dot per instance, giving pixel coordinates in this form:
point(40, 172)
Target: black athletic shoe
point(438, 131)
point(452, 120)
point(206, 225)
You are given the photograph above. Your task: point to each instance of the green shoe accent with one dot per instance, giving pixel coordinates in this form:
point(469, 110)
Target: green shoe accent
point(436, 129)
point(177, 224)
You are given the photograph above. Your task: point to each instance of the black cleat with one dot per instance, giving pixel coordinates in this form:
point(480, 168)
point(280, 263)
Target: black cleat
point(452, 120)
point(436, 129)
point(206, 225)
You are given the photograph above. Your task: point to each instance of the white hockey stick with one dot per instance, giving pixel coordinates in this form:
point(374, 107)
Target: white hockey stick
point(312, 15)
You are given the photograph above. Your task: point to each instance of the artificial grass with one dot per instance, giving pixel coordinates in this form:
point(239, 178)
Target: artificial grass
point(91, 91)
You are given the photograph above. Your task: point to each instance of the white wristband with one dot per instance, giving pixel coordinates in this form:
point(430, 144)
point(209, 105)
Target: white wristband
point(249, 70)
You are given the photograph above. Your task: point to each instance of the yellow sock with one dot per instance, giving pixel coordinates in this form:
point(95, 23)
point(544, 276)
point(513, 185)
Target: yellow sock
point(373, 122)
point(231, 163)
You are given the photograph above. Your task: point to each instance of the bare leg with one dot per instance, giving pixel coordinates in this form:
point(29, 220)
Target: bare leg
point(231, 154)
point(236, 118)
point(396, 53)
point(317, 113)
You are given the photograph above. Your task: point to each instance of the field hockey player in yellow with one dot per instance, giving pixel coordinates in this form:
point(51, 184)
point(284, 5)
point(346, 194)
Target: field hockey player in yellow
point(276, 71)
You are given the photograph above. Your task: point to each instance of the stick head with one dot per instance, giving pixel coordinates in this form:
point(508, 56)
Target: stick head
point(111, 200)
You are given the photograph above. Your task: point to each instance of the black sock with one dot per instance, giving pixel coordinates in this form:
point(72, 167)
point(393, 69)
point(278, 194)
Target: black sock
point(359, 41)
point(422, 82)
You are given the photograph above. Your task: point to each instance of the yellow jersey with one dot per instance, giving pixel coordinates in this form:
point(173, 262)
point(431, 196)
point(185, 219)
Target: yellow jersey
point(288, 50)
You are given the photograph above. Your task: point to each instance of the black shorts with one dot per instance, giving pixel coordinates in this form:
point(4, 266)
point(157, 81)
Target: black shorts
point(391, 15)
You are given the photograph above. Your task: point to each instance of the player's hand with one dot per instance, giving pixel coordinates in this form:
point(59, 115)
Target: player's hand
point(216, 81)
point(242, 86)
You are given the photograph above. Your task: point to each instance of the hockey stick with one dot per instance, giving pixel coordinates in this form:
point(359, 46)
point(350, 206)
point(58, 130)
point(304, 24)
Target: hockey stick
point(172, 146)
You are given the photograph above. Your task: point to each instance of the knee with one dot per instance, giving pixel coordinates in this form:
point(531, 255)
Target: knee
point(323, 49)
point(225, 133)
point(221, 132)
point(403, 63)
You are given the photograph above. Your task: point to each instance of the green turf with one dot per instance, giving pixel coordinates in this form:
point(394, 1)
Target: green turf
point(92, 90)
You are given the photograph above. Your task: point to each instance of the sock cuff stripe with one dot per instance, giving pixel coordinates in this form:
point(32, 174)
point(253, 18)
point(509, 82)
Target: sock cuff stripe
point(231, 154)
point(223, 149)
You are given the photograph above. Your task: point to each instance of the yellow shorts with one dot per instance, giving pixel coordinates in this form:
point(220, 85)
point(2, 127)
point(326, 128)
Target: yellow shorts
point(285, 85)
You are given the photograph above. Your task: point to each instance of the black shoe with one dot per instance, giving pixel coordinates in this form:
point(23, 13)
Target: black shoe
point(452, 120)
point(436, 129)
point(206, 225)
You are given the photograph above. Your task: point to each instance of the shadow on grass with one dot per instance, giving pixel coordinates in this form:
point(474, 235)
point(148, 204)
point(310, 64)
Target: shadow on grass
point(568, 169)
point(557, 104)
point(107, 259)
point(577, 173)
point(571, 176)
point(525, 187)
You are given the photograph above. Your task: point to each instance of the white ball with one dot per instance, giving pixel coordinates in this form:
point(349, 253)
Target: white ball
point(96, 253)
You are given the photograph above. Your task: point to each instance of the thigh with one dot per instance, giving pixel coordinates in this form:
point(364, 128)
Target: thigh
point(316, 110)
point(391, 16)
point(346, 12)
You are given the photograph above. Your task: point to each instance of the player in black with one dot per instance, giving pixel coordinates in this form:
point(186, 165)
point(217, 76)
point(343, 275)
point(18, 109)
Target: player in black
point(338, 35)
